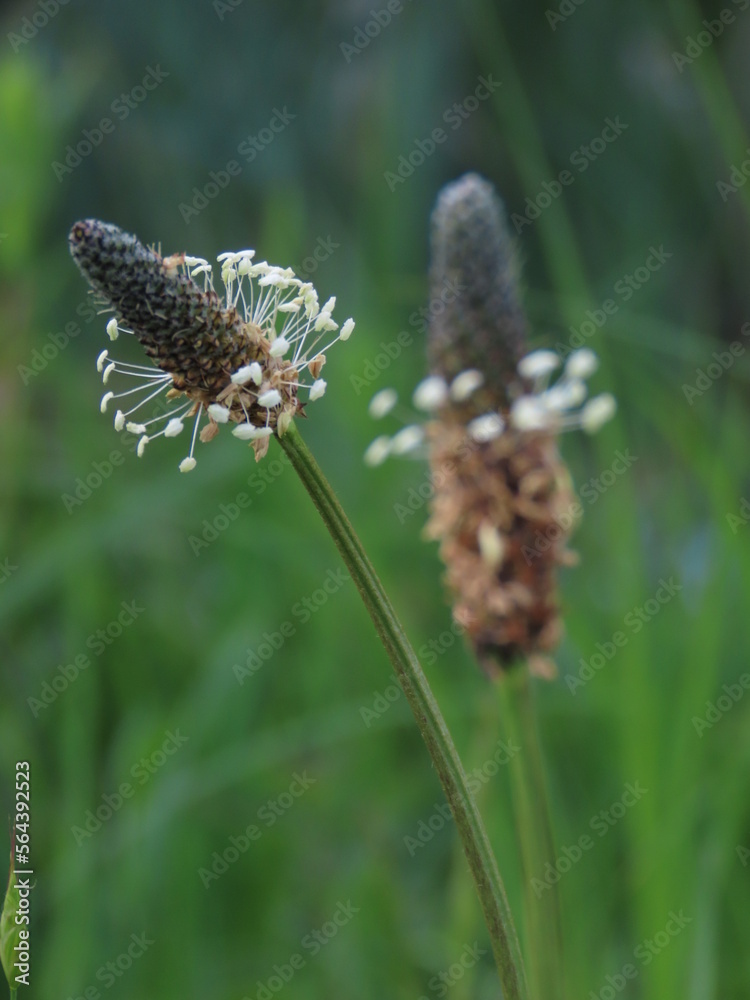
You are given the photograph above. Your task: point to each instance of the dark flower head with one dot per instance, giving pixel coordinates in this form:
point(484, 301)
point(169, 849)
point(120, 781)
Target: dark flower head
point(484, 326)
point(239, 359)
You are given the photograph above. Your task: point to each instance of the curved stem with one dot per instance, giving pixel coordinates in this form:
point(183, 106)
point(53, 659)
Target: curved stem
point(428, 717)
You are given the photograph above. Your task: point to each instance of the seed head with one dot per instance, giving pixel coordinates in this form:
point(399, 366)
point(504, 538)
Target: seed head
point(239, 359)
point(502, 496)
point(482, 327)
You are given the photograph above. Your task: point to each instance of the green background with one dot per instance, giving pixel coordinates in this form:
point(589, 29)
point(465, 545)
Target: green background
point(680, 848)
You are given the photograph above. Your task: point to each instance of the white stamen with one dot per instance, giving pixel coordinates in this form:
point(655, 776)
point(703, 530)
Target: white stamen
point(378, 451)
point(325, 322)
point(581, 364)
point(538, 364)
point(597, 412)
point(529, 413)
point(346, 329)
point(431, 393)
point(141, 446)
point(284, 312)
point(465, 384)
point(565, 395)
point(218, 413)
point(269, 398)
point(279, 347)
point(382, 403)
point(248, 432)
point(407, 439)
point(248, 373)
point(173, 428)
point(486, 428)
point(187, 464)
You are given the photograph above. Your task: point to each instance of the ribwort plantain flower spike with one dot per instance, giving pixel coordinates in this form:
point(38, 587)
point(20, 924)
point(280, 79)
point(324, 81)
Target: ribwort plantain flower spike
point(241, 359)
point(499, 485)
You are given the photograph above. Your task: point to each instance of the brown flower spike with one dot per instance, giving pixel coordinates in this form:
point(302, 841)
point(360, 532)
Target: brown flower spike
point(239, 360)
point(502, 496)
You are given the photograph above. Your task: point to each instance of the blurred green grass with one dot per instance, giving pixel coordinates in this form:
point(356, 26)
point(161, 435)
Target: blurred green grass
point(172, 669)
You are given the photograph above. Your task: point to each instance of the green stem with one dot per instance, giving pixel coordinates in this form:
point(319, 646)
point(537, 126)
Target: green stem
point(537, 844)
point(428, 717)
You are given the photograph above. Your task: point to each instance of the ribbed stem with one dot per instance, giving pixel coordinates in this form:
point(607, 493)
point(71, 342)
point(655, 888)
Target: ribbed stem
point(427, 715)
point(543, 919)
